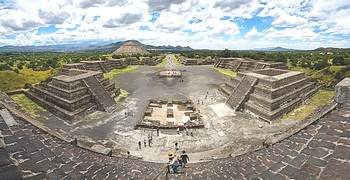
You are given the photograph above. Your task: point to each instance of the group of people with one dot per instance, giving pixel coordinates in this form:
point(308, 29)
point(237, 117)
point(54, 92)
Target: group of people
point(145, 143)
point(177, 161)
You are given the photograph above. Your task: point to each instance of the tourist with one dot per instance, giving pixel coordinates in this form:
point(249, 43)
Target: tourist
point(144, 142)
point(184, 159)
point(191, 133)
point(178, 130)
point(176, 146)
point(149, 142)
point(157, 131)
point(173, 162)
point(186, 131)
point(140, 144)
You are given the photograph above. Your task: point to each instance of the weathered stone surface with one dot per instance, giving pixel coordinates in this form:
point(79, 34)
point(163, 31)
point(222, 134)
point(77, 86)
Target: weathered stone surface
point(8, 117)
point(2, 144)
point(342, 152)
point(34, 154)
point(342, 91)
point(101, 149)
point(336, 170)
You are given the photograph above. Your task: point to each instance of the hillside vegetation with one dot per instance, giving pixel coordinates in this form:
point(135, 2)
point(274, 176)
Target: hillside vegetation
point(22, 70)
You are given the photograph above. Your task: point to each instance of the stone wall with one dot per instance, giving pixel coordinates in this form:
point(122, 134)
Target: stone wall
point(68, 96)
point(245, 64)
point(275, 92)
point(342, 91)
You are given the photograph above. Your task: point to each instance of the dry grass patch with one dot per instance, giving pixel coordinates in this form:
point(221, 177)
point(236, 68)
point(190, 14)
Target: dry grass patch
point(30, 106)
point(9, 80)
point(225, 71)
point(114, 72)
point(319, 99)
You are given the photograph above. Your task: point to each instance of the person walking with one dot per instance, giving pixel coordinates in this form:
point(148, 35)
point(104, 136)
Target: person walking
point(144, 142)
point(139, 144)
point(176, 146)
point(157, 131)
point(173, 162)
point(178, 130)
point(184, 159)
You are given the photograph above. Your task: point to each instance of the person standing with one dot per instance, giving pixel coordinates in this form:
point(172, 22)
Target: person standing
point(139, 144)
point(178, 130)
point(184, 158)
point(157, 131)
point(173, 162)
point(176, 146)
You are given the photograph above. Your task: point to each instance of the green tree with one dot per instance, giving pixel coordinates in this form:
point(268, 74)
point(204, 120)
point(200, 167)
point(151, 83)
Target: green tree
point(225, 53)
point(27, 85)
point(20, 65)
point(4, 67)
point(338, 60)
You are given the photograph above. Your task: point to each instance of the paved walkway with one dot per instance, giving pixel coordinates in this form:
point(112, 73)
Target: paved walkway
point(320, 151)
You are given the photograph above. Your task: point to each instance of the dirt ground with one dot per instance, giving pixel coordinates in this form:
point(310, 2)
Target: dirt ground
point(226, 133)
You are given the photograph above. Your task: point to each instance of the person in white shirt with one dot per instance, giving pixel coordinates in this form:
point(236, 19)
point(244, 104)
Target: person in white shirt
point(173, 161)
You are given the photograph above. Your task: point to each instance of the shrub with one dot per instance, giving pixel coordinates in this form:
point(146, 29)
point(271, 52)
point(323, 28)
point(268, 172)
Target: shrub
point(27, 85)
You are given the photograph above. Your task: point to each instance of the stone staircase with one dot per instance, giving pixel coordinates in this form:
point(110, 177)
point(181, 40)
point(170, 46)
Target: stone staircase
point(104, 67)
point(240, 93)
point(236, 66)
point(218, 63)
point(259, 66)
point(101, 96)
point(229, 86)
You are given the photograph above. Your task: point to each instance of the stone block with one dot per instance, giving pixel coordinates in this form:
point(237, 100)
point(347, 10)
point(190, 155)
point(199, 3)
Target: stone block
point(2, 144)
point(336, 170)
point(148, 112)
point(101, 149)
point(342, 152)
point(342, 91)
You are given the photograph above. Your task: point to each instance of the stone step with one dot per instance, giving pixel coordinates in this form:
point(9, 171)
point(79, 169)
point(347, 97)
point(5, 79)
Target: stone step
point(5, 114)
point(239, 95)
point(58, 111)
point(102, 96)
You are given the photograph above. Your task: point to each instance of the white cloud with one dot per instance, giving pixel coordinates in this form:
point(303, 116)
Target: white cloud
point(252, 33)
point(286, 20)
point(290, 33)
point(301, 21)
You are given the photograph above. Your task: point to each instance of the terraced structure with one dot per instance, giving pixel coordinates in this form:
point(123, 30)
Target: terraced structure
point(232, 145)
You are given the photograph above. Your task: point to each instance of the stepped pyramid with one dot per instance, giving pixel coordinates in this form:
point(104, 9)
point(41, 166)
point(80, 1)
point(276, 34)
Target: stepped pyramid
point(130, 48)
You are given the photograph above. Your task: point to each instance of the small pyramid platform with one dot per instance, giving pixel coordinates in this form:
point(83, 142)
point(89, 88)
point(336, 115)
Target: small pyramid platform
point(130, 48)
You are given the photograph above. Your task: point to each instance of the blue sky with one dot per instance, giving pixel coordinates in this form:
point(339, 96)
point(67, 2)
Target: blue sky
point(214, 24)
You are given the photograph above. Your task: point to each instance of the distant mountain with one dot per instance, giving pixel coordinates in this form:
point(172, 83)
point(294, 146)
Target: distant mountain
point(275, 49)
point(330, 49)
point(91, 48)
point(50, 48)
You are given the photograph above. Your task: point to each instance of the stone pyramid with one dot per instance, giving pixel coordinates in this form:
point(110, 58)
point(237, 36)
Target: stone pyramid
point(130, 48)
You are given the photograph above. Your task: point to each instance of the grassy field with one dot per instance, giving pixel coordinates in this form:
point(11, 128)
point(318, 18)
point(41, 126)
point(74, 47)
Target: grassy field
point(28, 104)
point(321, 98)
point(163, 62)
point(123, 94)
point(9, 80)
point(225, 71)
point(177, 62)
point(114, 72)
